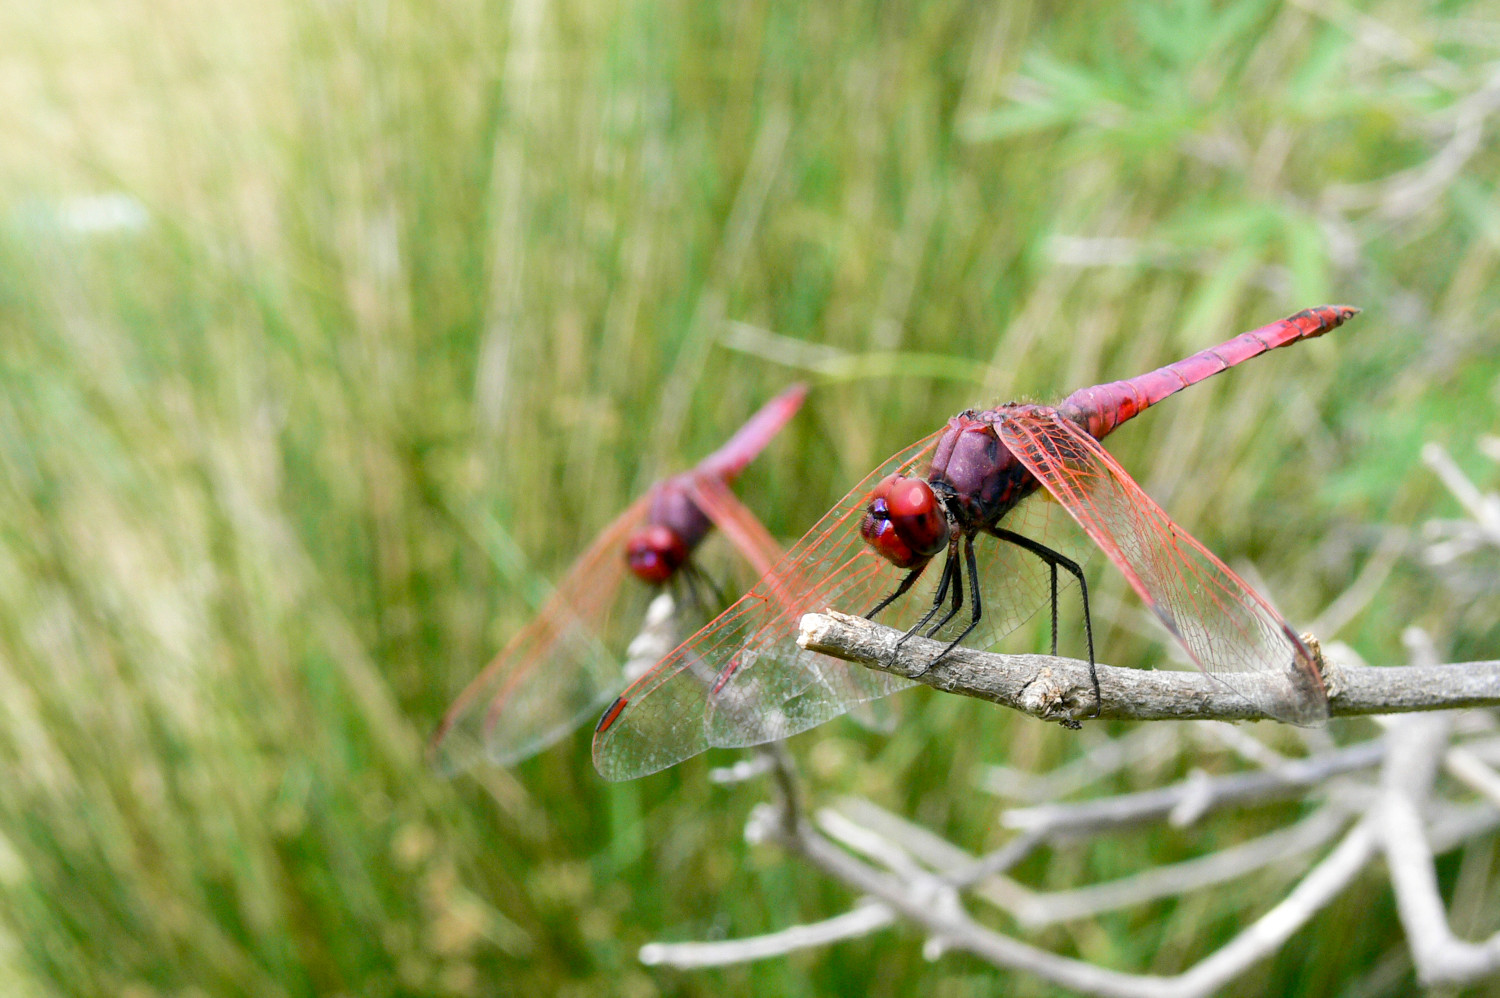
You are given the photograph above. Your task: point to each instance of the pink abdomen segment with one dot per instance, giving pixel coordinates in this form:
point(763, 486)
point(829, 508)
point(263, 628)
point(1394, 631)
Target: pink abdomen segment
point(1103, 407)
point(730, 459)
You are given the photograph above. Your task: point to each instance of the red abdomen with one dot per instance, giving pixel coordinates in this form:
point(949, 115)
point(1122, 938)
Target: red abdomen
point(1103, 407)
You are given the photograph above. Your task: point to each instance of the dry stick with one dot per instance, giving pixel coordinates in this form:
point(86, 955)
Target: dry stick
point(1417, 748)
point(957, 866)
point(1196, 793)
point(1440, 957)
point(872, 845)
point(1037, 909)
point(866, 918)
point(934, 905)
point(1098, 763)
point(1034, 909)
point(1466, 767)
point(1239, 741)
point(1449, 827)
point(1040, 688)
point(1058, 689)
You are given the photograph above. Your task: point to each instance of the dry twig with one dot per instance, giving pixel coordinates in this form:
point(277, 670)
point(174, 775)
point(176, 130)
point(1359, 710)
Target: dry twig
point(1059, 689)
point(907, 872)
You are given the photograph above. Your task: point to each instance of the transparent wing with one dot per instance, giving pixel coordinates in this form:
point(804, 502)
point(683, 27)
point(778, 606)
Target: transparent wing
point(557, 670)
point(1226, 627)
point(774, 688)
point(743, 680)
point(704, 687)
point(740, 527)
point(751, 539)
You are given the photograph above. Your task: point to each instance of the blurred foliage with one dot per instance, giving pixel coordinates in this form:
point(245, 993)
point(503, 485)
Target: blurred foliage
point(331, 331)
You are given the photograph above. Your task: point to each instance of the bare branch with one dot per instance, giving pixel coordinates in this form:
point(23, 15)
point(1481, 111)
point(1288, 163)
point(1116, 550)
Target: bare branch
point(1267, 934)
point(879, 834)
point(861, 921)
point(1440, 956)
point(1098, 763)
point(1034, 910)
point(957, 866)
point(873, 846)
point(1058, 689)
point(933, 905)
point(1469, 769)
point(1291, 779)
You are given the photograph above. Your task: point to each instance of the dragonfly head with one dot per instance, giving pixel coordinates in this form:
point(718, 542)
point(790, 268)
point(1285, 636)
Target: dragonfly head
point(654, 552)
point(904, 521)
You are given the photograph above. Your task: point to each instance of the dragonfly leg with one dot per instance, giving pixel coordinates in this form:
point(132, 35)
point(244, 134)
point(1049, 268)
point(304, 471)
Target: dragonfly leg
point(975, 610)
point(1056, 560)
point(901, 590)
point(695, 580)
point(684, 589)
point(1053, 566)
point(958, 600)
point(950, 577)
point(721, 598)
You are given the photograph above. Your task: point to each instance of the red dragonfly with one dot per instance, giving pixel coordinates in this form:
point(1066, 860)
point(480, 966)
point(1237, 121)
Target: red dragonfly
point(556, 672)
point(971, 492)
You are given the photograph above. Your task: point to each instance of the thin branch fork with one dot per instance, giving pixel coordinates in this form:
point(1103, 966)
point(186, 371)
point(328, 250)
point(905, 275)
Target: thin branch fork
point(904, 871)
point(1417, 747)
point(1059, 689)
point(935, 905)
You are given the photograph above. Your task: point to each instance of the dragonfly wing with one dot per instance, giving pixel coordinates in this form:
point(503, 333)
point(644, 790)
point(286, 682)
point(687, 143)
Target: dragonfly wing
point(1226, 627)
point(756, 545)
point(776, 688)
point(742, 527)
point(556, 671)
point(743, 680)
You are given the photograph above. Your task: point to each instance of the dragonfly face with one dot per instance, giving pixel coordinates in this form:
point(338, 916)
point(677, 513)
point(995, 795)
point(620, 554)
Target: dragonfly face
point(905, 522)
point(972, 483)
point(655, 552)
point(674, 527)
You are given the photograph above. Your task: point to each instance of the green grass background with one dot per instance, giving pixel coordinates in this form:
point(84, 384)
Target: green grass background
point(428, 291)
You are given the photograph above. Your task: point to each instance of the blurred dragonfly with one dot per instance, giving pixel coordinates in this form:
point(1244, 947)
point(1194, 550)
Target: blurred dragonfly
point(558, 671)
point(976, 492)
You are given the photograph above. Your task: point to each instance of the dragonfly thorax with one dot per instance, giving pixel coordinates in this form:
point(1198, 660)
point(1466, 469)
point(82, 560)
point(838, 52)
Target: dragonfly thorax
point(905, 522)
point(976, 475)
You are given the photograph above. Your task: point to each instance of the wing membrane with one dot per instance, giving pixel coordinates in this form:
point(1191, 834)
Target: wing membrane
point(740, 526)
point(734, 682)
point(743, 680)
point(1225, 626)
point(556, 671)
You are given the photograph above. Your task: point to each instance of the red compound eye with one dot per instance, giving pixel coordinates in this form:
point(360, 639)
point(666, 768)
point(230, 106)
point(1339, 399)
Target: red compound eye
point(654, 553)
point(904, 521)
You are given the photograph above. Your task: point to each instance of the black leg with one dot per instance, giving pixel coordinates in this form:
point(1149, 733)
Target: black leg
point(684, 590)
point(975, 609)
point(950, 577)
point(696, 580)
point(1056, 560)
point(1053, 566)
point(958, 598)
point(906, 584)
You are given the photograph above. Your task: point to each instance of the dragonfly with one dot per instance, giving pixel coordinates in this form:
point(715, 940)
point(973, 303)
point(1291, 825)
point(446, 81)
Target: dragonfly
point(558, 671)
point(955, 537)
